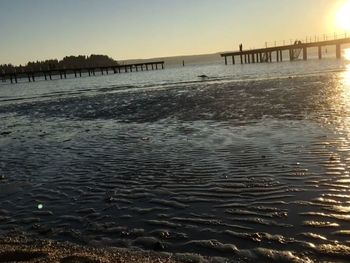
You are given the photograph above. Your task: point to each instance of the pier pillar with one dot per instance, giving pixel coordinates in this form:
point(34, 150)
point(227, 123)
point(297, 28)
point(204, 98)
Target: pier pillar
point(131, 68)
point(65, 74)
point(257, 58)
point(319, 52)
point(119, 70)
point(233, 60)
point(241, 59)
point(338, 51)
point(253, 58)
point(75, 73)
point(45, 76)
point(281, 55)
point(50, 76)
point(245, 58)
point(80, 73)
point(260, 57)
point(304, 53)
point(225, 60)
point(89, 71)
point(114, 70)
point(291, 55)
point(15, 77)
point(146, 67)
point(162, 65)
point(33, 78)
point(102, 73)
point(93, 72)
point(156, 66)
point(61, 75)
point(270, 56)
point(11, 79)
point(152, 67)
point(278, 56)
point(29, 78)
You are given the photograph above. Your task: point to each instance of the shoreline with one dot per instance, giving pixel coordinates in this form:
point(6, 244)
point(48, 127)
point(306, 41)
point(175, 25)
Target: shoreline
point(48, 251)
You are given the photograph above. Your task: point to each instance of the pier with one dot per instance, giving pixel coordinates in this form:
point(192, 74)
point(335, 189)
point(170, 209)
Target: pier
point(48, 74)
point(263, 55)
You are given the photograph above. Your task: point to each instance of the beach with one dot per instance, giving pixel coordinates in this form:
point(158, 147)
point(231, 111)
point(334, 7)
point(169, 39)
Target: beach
point(249, 163)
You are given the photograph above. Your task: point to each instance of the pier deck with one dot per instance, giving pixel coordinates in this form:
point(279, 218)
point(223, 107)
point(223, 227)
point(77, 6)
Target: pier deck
point(91, 71)
point(265, 54)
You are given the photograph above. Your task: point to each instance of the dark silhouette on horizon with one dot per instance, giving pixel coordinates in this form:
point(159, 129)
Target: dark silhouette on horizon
point(68, 62)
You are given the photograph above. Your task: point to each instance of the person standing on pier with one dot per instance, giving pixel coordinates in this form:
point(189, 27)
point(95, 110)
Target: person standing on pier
point(240, 47)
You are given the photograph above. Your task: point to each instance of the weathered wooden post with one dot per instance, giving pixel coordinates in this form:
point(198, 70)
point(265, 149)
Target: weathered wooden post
point(29, 78)
point(225, 60)
point(338, 51)
point(15, 75)
point(79, 72)
point(241, 58)
point(281, 55)
point(278, 55)
point(75, 73)
point(45, 75)
point(233, 60)
point(291, 54)
point(320, 52)
point(304, 53)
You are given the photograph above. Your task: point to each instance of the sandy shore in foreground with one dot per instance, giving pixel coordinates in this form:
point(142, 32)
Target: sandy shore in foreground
point(16, 250)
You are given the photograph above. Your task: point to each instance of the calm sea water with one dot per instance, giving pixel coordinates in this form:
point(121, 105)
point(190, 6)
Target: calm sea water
point(248, 164)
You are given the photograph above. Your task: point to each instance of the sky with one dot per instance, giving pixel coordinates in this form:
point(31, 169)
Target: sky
point(33, 30)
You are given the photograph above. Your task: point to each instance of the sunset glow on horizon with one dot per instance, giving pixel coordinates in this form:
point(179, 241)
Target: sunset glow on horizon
point(44, 29)
point(343, 17)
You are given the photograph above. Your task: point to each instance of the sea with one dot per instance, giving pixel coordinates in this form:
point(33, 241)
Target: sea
point(207, 162)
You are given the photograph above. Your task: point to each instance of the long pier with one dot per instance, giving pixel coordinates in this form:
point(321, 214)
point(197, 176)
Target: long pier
point(262, 55)
point(13, 77)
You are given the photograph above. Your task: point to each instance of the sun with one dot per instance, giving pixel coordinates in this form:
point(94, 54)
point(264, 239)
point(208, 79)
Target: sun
point(343, 17)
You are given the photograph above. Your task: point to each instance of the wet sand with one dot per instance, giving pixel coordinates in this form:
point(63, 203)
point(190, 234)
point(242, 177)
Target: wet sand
point(218, 170)
point(21, 250)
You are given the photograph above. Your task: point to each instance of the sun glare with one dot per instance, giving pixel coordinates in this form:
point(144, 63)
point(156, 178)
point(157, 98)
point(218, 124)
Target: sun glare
point(347, 54)
point(343, 17)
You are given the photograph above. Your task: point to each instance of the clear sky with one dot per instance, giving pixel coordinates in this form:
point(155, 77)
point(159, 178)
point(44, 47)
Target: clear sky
point(125, 29)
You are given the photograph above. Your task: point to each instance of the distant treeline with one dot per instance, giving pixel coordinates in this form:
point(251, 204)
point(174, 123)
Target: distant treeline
point(70, 62)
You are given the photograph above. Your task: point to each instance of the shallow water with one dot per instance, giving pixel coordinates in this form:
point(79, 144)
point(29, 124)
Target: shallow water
point(250, 163)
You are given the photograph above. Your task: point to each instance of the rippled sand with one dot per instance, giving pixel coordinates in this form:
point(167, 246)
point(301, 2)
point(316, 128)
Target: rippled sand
point(244, 171)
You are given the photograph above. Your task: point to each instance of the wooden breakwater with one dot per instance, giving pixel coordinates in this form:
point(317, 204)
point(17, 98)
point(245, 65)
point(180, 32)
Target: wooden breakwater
point(48, 74)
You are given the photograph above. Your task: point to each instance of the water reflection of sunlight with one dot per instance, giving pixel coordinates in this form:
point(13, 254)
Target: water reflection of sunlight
point(347, 54)
point(346, 78)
